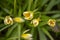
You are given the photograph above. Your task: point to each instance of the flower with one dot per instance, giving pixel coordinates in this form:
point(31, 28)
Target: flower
point(51, 22)
point(18, 19)
point(28, 15)
point(27, 36)
point(8, 20)
point(35, 22)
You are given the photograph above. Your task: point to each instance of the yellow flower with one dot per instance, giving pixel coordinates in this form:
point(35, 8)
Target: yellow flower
point(18, 19)
point(27, 36)
point(35, 22)
point(28, 15)
point(51, 22)
point(8, 20)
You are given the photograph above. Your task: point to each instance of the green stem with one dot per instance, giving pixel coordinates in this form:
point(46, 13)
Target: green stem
point(19, 31)
point(14, 7)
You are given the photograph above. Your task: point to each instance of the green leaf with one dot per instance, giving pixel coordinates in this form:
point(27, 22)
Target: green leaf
point(51, 12)
point(6, 10)
point(19, 13)
point(12, 38)
point(15, 7)
point(34, 4)
point(41, 34)
point(47, 33)
point(19, 31)
point(42, 24)
point(25, 5)
point(58, 20)
point(56, 16)
point(51, 4)
point(29, 4)
point(4, 27)
point(32, 30)
point(13, 35)
point(34, 33)
point(11, 30)
point(42, 3)
point(45, 18)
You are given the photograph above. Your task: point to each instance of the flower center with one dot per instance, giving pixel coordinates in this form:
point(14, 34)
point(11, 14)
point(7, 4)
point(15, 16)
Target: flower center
point(8, 20)
point(51, 22)
point(27, 14)
point(35, 22)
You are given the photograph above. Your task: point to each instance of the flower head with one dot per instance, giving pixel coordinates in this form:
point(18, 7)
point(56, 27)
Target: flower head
point(18, 19)
point(51, 22)
point(27, 36)
point(35, 22)
point(8, 20)
point(28, 15)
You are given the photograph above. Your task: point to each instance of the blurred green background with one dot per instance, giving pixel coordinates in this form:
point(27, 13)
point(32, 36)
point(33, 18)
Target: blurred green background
point(46, 9)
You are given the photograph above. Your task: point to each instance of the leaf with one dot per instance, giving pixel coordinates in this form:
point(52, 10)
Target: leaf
point(19, 13)
point(25, 5)
point(19, 31)
point(10, 30)
point(47, 33)
point(32, 30)
point(34, 33)
point(13, 35)
point(45, 18)
point(56, 16)
point(51, 4)
point(41, 34)
point(4, 27)
point(6, 10)
point(41, 3)
point(12, 38)
point(15, 7)
point(51, 12)
point(34, 4)
point(58, 20)
point(29, 4)
point(42, 24)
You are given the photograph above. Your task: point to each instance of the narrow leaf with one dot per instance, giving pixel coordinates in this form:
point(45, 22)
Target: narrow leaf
point(41, 34)
point(4, 27)
point(47, 33)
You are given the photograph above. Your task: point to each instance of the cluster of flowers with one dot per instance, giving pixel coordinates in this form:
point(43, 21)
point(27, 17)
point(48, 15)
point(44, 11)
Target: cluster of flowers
point(28, 15)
